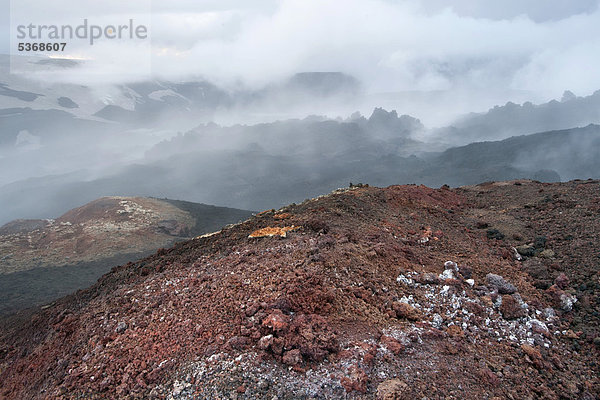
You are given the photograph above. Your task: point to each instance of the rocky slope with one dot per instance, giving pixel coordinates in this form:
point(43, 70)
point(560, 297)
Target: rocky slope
point(85, 242)
point(512, 119)
point(488, 291)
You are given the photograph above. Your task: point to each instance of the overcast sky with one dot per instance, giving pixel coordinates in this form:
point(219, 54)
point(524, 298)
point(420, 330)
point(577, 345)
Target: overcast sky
point(542, 46)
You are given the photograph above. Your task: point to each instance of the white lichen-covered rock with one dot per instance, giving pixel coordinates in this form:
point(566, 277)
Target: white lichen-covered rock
point(437, 321)
point(537, 326)
point(549, 312)
point(404, 280)
point(451, 265)
point(516, 254)
point(567, 301)
point(447, 274)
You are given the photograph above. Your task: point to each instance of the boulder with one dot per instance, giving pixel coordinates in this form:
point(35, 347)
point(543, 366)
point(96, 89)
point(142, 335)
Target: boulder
point(498, 282)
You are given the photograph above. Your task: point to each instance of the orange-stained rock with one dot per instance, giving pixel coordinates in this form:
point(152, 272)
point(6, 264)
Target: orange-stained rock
point(272, 231)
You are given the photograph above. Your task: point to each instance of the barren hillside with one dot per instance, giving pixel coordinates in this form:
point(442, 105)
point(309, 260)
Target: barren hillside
point(487, 291)
point(41, 260)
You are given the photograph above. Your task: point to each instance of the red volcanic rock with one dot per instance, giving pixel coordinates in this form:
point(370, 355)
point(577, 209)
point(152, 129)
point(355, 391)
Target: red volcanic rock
point(355, 380)
point(313, 336)
point(265, 342)
point(454, 330)
point(533, 355)
point(277, 321)
point(322, 312)
point(511, 308)
point(555, 293)
point(406, 311)
point(489, 377)
point(252, 309)
point(277, 346)
point(239, 342)
point(292, 357)
point(392, 344)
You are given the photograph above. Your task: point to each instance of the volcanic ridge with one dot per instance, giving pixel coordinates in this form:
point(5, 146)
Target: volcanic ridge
point(487, 291)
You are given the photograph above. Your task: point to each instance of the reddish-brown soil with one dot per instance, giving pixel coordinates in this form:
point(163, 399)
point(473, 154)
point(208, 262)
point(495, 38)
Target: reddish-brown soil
point(380, 293)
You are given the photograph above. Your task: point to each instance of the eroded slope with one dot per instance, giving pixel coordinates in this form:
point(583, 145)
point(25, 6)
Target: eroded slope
point(394, 293)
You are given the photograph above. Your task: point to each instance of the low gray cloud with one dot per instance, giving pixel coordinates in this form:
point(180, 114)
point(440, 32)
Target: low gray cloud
point(390, 46)
point(536, 10)
point(533, 45)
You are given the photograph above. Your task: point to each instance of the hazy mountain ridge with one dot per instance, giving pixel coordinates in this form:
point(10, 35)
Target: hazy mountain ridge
point(102, 126)
point(513, 119)
point(549, 156)
point(264, 173)
point(310, 136)
point(69, 154)
point(159, 102)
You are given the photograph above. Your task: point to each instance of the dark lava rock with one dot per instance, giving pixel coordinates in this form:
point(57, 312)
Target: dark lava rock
point(121, 327)
point(526, 250)
point(494, 234)
point(540, 242)
point(562, 281)
point(498, 282)
point(539, 272)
